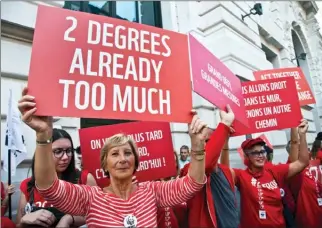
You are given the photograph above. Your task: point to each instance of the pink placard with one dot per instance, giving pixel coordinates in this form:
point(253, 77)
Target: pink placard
point(214, 81)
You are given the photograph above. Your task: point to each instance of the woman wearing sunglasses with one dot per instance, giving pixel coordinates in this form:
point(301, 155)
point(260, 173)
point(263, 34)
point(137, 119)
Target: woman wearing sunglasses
point(33, 209)
point(261, 202)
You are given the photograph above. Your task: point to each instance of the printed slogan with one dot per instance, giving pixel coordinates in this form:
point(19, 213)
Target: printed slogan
point(270, 105)
point(154, 147)
point(101, 67)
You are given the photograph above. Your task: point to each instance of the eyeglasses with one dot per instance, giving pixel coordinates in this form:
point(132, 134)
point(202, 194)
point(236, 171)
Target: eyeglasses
point(59, 153)
point(257, 153)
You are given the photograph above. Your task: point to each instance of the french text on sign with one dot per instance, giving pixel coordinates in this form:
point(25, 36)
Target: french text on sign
point(270, 105)
point(305, 94)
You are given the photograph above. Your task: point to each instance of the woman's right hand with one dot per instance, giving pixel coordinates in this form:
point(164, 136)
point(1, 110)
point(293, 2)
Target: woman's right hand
point(41, 217)
point(27, 107)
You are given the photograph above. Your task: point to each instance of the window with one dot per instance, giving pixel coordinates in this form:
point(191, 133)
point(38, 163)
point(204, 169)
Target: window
point(144, 12)
point(271, 56)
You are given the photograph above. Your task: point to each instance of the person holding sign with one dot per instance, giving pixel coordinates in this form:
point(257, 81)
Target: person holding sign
point(215, 205)
point(261, 203)
point(307, 189)
point(33, 209)
point(122, 203)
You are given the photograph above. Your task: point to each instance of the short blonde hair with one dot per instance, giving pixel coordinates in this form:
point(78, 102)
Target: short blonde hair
point(114, 141)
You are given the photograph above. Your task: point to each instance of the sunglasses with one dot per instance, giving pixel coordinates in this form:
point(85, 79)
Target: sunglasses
point(59, 152)
point(257, 153)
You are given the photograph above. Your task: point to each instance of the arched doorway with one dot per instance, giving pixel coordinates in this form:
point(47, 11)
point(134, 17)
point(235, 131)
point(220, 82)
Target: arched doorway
point(300, 46)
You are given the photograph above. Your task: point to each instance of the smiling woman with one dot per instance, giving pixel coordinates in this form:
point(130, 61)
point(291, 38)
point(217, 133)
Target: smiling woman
point(123, 203)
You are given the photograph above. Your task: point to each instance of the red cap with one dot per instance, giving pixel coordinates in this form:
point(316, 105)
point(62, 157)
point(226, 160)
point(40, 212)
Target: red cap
point(249, 143)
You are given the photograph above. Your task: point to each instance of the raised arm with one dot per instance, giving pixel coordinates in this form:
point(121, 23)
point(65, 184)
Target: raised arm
point(218, 138)
point(303, 156)
point(64, 196)
point(294, 145)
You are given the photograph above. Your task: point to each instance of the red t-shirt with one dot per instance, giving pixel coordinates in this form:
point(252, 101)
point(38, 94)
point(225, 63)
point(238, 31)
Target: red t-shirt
point(172, 217)
point(3, 195)
point(261, 203)
point(307, 189)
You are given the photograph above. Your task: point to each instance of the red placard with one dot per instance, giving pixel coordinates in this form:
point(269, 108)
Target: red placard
point(304, 91)
point(154, 147)
point(214, 81)
point(86, 65)
point(270, 105)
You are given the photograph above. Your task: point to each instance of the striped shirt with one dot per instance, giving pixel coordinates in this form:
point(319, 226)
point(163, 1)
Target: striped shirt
point(108, 210)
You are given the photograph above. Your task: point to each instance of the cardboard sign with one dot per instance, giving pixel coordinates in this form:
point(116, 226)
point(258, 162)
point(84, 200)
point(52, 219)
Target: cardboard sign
point(214, 81)
point(270, 105)
point(304, 91)
point(92, 66)
point(154, 144)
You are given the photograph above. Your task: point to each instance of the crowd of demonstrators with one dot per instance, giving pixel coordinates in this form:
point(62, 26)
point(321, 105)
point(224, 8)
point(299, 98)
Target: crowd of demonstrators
point(122, 203)
point(206, 192)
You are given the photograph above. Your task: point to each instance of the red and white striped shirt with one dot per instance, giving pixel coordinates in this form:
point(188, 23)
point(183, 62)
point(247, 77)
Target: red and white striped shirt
point(108, 210)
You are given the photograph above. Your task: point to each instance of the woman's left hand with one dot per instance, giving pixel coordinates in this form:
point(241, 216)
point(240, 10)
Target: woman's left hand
point(65, 221)
point(11, 189)
point(197, 132)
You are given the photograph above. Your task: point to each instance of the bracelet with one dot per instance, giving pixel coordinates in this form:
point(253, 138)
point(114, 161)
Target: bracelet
point(225, 149)
point(42, 143)
point(198, 152)
point(199, 157)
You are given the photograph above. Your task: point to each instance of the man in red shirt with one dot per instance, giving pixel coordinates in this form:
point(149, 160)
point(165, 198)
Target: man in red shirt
point(261, 204)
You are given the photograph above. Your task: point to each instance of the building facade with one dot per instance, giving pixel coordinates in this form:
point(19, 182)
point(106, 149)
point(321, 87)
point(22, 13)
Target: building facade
point(273, 40)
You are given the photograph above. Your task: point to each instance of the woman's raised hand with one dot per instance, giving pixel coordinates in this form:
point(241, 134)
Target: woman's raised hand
point(27, 107)
point(197, 131)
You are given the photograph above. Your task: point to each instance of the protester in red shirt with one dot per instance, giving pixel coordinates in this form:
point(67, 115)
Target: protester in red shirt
point(33, 209)
point(5, 192)
point(208, 208)
point(261, 204)
point(307, 190)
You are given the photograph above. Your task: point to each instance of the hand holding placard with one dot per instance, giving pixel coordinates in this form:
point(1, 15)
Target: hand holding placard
point(27, 107)
point(197, 132)
point(228, 117)
point(303, 127)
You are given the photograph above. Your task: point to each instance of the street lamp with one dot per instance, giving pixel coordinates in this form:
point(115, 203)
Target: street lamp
point(301, 56)
point(256, 10)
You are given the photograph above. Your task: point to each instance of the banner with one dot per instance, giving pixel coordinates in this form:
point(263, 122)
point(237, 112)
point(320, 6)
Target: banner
point(304, 91)
point(270, 105)
point(14, 139)
point(154, 143)
point(214, 81)
point(93, 66)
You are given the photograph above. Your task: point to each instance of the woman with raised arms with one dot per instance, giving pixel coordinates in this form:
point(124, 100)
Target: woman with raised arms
point(122, 203)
